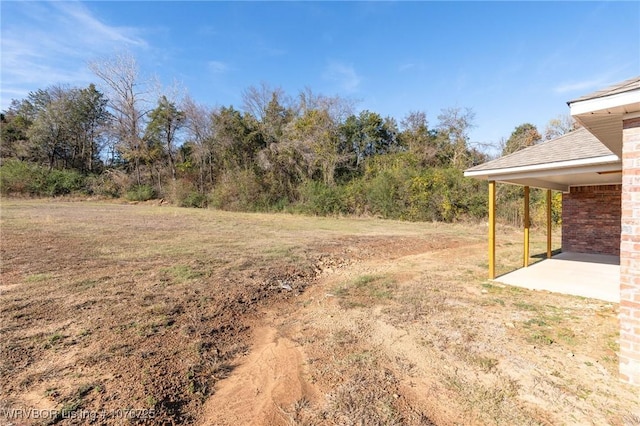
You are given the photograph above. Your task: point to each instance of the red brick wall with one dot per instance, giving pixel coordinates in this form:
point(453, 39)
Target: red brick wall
point(630, 254)
point(591, 219)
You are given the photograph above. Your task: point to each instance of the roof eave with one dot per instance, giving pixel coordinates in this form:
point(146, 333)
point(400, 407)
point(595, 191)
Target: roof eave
point(605, 103)
point(598, 164)
point(603, 116)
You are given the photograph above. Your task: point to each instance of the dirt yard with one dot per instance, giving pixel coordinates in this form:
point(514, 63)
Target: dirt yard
point(143, 314)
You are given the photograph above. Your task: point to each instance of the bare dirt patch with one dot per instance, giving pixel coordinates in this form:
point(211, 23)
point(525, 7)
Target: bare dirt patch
point(201, 317)
point(271, 377)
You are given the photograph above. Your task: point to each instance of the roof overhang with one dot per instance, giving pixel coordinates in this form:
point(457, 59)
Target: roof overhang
point(603, 116)
point(560, 176)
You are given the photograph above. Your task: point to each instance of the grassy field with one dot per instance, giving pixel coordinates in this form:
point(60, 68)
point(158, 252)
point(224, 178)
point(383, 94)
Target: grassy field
point(160, 315)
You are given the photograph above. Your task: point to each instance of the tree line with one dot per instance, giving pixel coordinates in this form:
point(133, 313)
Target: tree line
point(308, 152)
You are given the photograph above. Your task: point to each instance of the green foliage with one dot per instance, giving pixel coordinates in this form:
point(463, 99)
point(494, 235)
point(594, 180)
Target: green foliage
point(315, 155)
point(239, 190)
point(523, 136)
point(368, 134)
point(445, 195)
point(382, 189)
point(165, 121)
point(194, 199)
point(21, 177)
point(17, 177)
point(140, 193)
point(556, 208)
point(238, 138)
point(105, 185)
point(13, 133)
point(321, 199)
point(66, 127)
point(394, 186)
point(510, 206)
point(385, 194)
point(185, 194)
point(61, 182)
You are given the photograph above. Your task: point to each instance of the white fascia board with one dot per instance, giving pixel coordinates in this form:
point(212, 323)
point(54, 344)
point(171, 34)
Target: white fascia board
point(558, 172)
point(598, 163)
point(605, 103)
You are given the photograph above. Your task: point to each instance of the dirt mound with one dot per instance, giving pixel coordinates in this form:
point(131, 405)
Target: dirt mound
point(272, 376)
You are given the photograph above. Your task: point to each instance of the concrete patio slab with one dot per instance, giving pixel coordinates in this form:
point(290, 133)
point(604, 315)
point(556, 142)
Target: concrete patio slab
point(586, 275)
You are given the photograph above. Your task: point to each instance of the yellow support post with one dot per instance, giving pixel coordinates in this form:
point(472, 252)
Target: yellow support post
point(526, 226)
point(492, 229)
point(548, 224)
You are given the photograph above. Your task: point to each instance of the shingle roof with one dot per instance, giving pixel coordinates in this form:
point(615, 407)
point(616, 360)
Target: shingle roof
point(625, 86)
point(577, 145)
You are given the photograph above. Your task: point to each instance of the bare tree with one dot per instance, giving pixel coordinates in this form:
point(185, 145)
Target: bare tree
point(50, 130)
point(454, 125)
point(559, 126)
point(165, 122)
point(416, 137)
point(337, 107)
point(129, 104)
point(255, 100)
point(199, 135)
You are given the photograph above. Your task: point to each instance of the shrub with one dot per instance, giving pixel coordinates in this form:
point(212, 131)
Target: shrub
point(140, 193)
point(386, 194)
point(239, 190)
point(20, 177)
point(445, 195)
point(321, 199)
point(61, 182)
point(194, 199)
point(510, 206)
point(17, 177)
point(110, 183)
point(355, 197)
point(185, 194)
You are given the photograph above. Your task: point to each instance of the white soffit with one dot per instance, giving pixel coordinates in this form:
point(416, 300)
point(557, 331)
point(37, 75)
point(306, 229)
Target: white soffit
point(603, 116)
point(564, 182)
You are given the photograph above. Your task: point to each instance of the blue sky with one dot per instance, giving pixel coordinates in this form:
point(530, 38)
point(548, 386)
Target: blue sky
point(511, 62)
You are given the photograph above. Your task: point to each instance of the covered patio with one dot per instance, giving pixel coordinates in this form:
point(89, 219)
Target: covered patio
point(595, 276)
point(599, 176)
point(589, 176)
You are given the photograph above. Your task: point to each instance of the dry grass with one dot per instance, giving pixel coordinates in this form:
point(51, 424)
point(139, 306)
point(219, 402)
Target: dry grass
point(106, 306)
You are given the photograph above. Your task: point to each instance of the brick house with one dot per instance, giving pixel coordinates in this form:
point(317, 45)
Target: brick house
point(597, 168)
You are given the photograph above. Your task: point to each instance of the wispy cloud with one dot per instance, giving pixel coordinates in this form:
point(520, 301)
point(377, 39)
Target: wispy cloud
point(218, 67)
point(271, 51)
point(406, 67)
point(613, 74)
point(77, 14)
point(345, 75)
point(208, 30)
point(581, 85)
point(50, 43)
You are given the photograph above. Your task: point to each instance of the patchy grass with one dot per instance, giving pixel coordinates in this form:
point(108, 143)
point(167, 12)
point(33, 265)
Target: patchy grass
point(365, 290)
point(35, 278)
point(109, 306)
